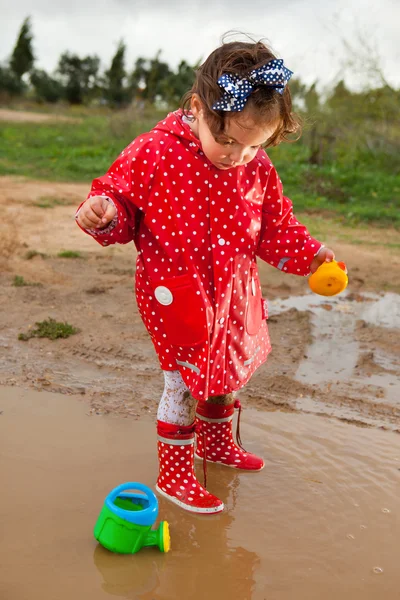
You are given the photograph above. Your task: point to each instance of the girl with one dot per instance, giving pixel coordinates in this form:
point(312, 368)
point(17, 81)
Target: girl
point(201, 200)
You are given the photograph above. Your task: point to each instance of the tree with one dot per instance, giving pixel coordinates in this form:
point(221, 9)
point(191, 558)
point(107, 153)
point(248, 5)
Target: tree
point(22, 57)
point(297, 91)
point(312, 99)
point(317, 137)
point(115, 89)
point(47, 88)
point(175, 85)
point(10, 84)
point(148, 78)
point(79, 76)
point(138, 77)
point(340, 99)
point(157, 73)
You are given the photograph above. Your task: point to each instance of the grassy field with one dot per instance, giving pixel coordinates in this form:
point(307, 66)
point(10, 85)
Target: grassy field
point(364, 190)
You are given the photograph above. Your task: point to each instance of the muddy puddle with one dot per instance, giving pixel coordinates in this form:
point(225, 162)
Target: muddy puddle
point(322, 520)
point(341, 368)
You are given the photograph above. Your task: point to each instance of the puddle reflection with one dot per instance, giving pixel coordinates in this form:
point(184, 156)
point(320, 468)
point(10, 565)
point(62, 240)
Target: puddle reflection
point(127, 576)
point(202, 556)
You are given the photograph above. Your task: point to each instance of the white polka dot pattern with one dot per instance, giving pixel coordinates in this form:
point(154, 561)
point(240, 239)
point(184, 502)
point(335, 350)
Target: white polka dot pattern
point(198, 230)
point(214, 437)
point(237, 89)
point(177, 480)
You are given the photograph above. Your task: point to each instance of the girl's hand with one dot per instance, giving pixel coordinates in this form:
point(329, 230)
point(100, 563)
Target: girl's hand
point(324, 255)
point(96, 213)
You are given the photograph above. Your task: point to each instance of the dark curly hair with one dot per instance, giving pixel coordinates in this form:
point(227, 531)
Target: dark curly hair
point(265, 103)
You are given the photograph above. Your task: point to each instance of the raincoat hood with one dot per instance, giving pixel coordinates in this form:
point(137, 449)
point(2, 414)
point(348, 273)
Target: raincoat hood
point(177, 124)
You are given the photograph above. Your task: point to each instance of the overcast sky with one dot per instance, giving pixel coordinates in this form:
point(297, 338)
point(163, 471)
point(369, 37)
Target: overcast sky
point(307, 34)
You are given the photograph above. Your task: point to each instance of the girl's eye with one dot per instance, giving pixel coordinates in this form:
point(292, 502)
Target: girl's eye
point(227, 143)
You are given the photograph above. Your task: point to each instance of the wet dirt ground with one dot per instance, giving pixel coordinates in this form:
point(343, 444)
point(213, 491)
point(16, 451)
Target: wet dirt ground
point(321, 521)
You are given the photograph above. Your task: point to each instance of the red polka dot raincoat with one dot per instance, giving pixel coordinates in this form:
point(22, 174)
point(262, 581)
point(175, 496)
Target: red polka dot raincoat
point(198, 231)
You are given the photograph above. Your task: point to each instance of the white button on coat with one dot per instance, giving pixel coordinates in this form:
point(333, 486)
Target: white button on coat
point(221, 242)
point(221, 321)
point(163, 295)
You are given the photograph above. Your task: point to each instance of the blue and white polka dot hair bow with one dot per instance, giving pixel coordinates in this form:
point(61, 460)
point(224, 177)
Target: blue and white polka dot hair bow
point(237, 89)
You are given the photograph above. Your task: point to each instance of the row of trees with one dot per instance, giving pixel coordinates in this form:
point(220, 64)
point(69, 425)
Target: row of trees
point(339, 122)
point(81, 80)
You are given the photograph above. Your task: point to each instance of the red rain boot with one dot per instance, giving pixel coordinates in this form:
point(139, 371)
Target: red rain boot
point(177, 480)
point(216, 437)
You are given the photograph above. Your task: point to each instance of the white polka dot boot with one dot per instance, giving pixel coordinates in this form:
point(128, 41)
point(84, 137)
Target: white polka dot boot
point(177, 480)
point(215, 438)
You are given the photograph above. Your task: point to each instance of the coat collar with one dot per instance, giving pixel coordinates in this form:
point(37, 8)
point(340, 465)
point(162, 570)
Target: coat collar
point(177, 123)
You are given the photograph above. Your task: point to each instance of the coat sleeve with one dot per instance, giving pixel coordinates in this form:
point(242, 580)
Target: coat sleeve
point(126, 184)
point(284, 242)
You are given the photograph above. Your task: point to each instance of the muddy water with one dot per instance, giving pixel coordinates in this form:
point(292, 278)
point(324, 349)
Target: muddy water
point(322, 520)
point(331, 359)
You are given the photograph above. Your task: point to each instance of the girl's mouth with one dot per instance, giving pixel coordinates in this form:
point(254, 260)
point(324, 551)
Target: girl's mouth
point(226, 166)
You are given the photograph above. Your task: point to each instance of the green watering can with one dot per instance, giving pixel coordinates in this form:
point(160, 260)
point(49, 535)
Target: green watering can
point(124, 524)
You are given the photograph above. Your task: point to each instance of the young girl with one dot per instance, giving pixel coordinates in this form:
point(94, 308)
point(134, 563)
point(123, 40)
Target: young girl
point(201, 200)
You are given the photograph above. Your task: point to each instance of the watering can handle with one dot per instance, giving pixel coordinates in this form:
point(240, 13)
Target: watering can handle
point(147, 516)
point(131, 485)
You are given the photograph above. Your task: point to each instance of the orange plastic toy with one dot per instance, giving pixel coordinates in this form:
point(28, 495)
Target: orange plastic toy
point(329, 279)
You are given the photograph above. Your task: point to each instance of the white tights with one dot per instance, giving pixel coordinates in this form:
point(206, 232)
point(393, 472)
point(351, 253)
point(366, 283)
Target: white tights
point(176, 406)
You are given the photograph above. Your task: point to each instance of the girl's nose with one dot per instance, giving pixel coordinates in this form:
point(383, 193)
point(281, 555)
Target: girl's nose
point(237, 156)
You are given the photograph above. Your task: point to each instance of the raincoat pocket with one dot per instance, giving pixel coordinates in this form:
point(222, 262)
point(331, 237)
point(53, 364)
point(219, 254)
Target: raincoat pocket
point(255, 302)
point(182, 310)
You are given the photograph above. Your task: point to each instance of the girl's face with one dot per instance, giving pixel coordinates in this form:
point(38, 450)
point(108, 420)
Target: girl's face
point(237, 145)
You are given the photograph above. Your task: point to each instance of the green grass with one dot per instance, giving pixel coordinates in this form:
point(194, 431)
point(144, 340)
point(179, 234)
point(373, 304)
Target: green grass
point(51, 202)
point(391, 245)
point(360, 192)
point(363, 234)
point(70, 254)
point(356, 188)
point(63, 151)
point(19, 281)
point(51, 329)
point(32, 253)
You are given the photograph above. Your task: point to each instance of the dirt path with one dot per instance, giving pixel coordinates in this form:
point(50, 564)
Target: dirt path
point(24, 116)
point(111, 361)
